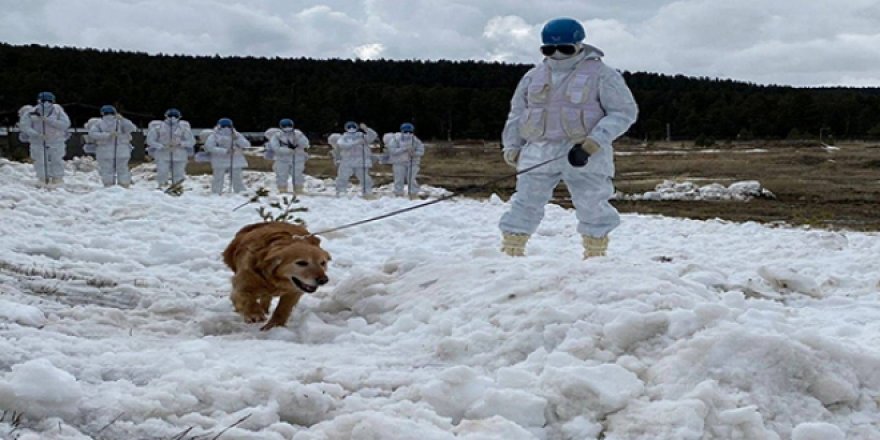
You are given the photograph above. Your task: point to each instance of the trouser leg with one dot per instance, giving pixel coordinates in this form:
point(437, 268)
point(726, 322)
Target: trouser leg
point(299, 177)
point(364, 179)
point(282, 173)
point(590, 193)
point(39, 156)
point(533, 190)
point(56, 162)
point(414, 175)
point(178, 172)
point(219, 179)
point(343, 174)
point(237, 181)
point(123, 174)
point(399, 171)
point(163, 168)
point(106, 170)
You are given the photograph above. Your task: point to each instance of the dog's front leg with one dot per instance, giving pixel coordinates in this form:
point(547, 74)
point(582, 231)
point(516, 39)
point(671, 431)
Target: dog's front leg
point(247, 306)
point(282, 310)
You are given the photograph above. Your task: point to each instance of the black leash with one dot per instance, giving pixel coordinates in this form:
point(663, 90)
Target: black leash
point(441, 199)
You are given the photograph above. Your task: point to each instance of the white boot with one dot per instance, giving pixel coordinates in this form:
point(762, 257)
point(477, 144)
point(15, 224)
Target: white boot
point(595, 246)
point(514, 244)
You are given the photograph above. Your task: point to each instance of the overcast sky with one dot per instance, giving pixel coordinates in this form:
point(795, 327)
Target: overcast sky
point(794, 42)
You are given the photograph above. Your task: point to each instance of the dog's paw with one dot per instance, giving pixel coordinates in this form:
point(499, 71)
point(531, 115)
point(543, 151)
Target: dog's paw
point(251, 318)
point(270, 325)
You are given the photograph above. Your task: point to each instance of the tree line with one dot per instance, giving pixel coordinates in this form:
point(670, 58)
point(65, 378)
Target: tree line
point(444, 99)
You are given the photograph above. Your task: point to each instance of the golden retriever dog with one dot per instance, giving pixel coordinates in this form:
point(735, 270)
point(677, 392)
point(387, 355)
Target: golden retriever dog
point(273, 259)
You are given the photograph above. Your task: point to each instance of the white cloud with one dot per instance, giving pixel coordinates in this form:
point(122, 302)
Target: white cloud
point(800, 42)
point(511, 38)
point(370, 51)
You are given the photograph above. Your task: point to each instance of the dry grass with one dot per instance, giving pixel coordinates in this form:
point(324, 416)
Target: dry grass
point(814, 186)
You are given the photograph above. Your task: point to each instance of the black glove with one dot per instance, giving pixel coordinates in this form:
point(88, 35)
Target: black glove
point(577, 157)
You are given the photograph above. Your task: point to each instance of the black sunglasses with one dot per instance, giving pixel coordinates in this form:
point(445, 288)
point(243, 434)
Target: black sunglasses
point(565, 49)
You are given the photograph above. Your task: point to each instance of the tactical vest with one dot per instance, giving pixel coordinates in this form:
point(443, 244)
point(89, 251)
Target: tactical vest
point(164, 133)
point(567, 111)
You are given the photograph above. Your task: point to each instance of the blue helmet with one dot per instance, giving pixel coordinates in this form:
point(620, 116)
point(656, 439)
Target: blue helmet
point(108, 110)
point(45, 97)
point(172, 113)
point(286, 123)
point(351, 124)
point(563, 31)
point(406, 127)
point(224, 123)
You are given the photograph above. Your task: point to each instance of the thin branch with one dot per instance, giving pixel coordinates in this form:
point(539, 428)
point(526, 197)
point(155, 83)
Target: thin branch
point(240, 421)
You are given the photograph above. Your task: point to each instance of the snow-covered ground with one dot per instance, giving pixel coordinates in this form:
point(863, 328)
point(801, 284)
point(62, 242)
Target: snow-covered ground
point(741, 191)
point(115, 324)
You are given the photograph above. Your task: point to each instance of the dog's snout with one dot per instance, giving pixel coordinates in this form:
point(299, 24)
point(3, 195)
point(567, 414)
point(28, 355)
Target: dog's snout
point(322, 280)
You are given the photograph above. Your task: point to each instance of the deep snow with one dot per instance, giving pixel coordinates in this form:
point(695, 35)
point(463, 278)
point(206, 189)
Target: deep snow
point(115, 323)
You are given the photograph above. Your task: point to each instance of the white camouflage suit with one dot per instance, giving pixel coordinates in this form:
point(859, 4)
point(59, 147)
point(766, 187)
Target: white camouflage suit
point(289, 150)
point(354, 158)
point(556, 104)
point(226, 146)
point(46, 137)
point(405, 153)
point(112, 137)
point(171, 143)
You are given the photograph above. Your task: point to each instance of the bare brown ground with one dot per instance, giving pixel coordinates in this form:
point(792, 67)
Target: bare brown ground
point(814, 186)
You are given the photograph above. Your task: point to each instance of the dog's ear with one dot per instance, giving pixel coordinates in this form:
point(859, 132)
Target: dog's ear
point(274, 262)
point(315, 241)
point(329, 258)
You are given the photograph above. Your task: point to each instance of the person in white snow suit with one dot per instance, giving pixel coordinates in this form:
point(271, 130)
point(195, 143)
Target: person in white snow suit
point(171, 143)
point(112, 137)
point(226, 147)
point(354, 157)
point(570, 103)
point(288, 148)
point(44, 126)
point(405, 154)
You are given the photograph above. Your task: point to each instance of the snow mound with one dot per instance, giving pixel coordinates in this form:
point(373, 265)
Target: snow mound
point(817, 431)
point(38, 389)
point(671, 190)
point(115, 322)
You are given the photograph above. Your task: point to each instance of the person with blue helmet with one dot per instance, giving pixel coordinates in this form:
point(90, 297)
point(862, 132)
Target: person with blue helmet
point(354, 157)
point(287, 147)
point(570, 104)
point(171, 143)
point(405, 154)
point(226, 147)
point(45, 127)
point(112, 137)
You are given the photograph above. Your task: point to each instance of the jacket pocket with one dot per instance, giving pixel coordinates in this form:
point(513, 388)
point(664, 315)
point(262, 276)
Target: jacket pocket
point(537, 93)
point(573, 123)
point(534, 125)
